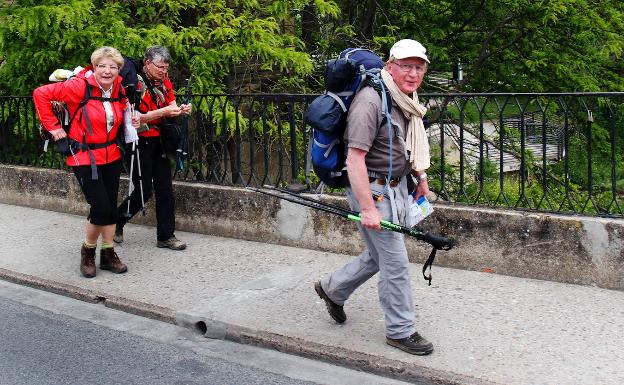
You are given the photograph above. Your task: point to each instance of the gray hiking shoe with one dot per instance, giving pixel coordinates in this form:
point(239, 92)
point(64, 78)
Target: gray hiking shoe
point(414, 344)
point(172, 243)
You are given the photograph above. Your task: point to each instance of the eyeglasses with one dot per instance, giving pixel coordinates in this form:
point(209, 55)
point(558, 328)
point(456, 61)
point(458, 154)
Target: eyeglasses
point(419, 68)
point(163, 67)
point(104, 67)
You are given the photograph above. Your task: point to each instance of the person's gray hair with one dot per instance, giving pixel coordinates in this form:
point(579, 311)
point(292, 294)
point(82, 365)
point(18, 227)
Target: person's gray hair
point(157, 53)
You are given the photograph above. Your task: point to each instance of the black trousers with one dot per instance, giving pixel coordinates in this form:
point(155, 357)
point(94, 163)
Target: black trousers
point(155, 171)
point(101, 193)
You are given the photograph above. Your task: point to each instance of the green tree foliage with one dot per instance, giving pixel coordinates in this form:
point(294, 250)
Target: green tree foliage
point(227, 44)
point(273, 45)
point(504, 45)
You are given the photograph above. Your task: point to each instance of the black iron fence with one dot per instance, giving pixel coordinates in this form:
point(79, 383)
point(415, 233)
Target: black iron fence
point(557, 152)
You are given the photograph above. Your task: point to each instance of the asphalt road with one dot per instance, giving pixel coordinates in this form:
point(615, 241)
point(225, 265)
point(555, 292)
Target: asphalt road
point(49, 339)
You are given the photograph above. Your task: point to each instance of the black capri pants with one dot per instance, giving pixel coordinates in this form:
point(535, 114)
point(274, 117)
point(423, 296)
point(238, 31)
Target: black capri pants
point(101, 194)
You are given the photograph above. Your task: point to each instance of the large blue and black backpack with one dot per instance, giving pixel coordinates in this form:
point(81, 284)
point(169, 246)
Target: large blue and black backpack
point(327, 114)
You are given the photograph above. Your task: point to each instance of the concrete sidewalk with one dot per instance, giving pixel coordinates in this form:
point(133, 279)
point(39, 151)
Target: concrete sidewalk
point(486, 328)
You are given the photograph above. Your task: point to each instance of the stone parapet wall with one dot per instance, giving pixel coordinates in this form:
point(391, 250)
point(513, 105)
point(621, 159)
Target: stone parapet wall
point(573, 249)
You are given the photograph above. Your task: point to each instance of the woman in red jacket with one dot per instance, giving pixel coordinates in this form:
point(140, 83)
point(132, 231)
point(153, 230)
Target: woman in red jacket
point(96, 103)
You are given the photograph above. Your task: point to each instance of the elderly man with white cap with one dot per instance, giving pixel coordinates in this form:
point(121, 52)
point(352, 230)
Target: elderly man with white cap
point(378, 195)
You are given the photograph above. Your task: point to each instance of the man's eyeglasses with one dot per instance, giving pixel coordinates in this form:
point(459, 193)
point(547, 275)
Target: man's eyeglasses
point(161, 67)
point(419, 68)
point(105, 67)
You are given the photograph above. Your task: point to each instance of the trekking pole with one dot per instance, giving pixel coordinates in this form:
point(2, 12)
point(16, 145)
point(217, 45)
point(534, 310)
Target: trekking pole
point(135, 150)
point(312, 203)
point(138, 155)
point(130, 182)
point(436, 241)
point(131, 136)
point(131, 186)
point(182, 149)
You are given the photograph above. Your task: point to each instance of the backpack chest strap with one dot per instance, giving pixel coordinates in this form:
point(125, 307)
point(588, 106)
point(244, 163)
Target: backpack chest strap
point(76, 147)
point(88, 96)
point(102, 99)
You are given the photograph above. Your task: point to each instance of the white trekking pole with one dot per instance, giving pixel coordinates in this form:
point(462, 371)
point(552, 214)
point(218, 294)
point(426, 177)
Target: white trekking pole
point(132, 136)
point(130, 183)
point(138, 154)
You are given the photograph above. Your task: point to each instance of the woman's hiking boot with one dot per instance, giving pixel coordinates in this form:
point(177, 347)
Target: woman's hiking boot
point(87, 261)
point(110, 261)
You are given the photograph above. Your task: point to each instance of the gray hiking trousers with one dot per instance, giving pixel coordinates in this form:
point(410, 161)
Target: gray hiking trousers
point(386, 254)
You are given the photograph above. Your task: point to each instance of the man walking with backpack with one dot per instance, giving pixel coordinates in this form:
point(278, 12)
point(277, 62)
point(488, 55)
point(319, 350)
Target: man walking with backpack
point(381, 156)
point(157, 103)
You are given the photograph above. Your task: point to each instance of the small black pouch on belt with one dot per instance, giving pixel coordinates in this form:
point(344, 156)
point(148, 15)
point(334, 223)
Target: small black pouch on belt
point(411, 184)
point(63, 146)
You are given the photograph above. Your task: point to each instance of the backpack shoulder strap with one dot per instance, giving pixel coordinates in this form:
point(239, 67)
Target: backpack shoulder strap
point(89, 96)
point(150, 88)
point(83, 105)
point(119, 98)
point(376, 83)
point(374, 80)
point(83, 102)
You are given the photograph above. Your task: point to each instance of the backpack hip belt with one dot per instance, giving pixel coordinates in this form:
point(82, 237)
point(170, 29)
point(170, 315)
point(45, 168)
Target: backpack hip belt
point(76, 146)
point(379, 175)
point(90, 146)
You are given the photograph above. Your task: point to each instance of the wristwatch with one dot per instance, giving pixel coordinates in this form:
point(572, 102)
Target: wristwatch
point(422, 176)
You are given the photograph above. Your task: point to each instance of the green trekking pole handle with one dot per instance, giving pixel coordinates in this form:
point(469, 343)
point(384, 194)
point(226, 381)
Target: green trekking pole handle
point(384, 224)
point(437, 241)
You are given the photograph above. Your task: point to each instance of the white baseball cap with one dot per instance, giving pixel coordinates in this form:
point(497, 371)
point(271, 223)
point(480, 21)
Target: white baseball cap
point(408, 48)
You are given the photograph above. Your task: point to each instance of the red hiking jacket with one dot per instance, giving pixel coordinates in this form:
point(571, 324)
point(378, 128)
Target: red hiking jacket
point(149, 104)
point(72, 92)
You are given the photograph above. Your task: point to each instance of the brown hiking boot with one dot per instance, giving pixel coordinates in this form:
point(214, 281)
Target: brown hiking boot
point(87, 261)
point(110, 261)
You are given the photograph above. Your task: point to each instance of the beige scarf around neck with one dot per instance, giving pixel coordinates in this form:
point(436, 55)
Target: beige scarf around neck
point(416, 141)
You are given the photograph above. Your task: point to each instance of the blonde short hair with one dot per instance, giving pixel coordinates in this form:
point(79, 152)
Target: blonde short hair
point(107, 53)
